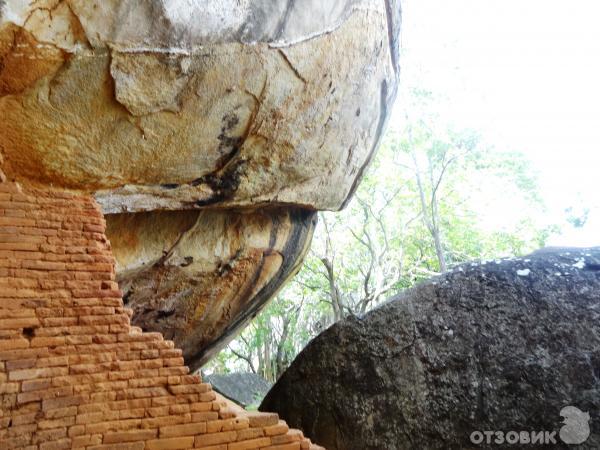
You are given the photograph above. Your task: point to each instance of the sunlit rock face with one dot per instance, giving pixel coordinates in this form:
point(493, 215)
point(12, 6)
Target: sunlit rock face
point(263, 111)
point(173, 104)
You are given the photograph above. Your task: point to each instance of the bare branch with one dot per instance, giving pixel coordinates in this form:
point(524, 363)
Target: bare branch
point(308, 286)
point(245, 358)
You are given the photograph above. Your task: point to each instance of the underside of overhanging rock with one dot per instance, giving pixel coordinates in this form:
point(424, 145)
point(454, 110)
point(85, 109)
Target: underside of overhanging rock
point(200, 276)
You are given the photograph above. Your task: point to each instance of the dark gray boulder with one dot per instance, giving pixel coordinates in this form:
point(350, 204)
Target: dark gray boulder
point(243, 388)
point(497, 346)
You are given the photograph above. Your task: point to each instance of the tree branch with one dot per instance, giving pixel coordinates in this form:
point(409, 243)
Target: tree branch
point(245, 358)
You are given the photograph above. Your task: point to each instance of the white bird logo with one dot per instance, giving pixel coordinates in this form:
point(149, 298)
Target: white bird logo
point(576, 428)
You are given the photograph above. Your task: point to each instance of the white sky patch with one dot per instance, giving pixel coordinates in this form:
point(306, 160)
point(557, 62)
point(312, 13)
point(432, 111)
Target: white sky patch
point(524, 73)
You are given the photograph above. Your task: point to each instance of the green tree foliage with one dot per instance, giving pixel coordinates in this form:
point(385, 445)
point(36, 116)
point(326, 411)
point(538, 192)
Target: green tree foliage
point(434, 196)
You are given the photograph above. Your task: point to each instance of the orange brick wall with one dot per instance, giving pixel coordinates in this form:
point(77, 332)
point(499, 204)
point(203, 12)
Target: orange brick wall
point(73, 372)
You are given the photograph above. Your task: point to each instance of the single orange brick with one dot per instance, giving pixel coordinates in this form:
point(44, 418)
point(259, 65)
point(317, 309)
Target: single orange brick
point(178, 443)
point(280, 428)
point(129, 436)
point(250, 445)
point(290, 446)
point(183, 430)
point(260, 419)
point(205, 440)
point(249, 433)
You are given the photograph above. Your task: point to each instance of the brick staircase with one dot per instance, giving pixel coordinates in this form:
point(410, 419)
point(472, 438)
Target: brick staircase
point(73, 372)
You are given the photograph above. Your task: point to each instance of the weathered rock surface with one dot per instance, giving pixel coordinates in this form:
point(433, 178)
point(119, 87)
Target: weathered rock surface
point(182, 105)
point(499, 346)
point(170, 104)
point(243, 388)
point(200, 276)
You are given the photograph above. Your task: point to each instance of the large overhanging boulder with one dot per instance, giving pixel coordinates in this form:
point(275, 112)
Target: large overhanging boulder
point(506, 346)
point(170, 104)
point(263, 111)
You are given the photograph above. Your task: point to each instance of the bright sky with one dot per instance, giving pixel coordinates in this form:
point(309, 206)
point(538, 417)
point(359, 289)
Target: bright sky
point(527, 74)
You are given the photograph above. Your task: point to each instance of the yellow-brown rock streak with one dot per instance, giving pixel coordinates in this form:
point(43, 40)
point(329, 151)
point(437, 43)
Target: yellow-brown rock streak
point(199, 276)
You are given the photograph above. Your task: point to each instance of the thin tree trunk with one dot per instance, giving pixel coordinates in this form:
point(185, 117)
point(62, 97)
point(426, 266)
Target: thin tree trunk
point(280, 365)
point(431, 219)
point(261, 365)
point(334, 293)
point(439, 250)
